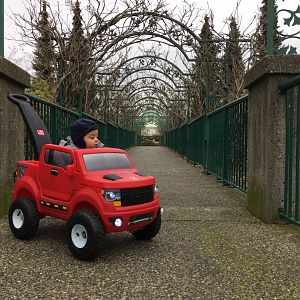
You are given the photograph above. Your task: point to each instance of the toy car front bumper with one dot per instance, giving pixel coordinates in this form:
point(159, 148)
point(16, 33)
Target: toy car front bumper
point(130, 220)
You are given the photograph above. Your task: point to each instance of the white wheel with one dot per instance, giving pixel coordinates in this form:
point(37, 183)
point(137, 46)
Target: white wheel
point(79, 236)
point(18, 218)
point(85, 235)
point(23, 218)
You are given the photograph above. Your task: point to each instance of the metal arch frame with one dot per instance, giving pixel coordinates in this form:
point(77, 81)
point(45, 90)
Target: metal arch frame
point(143, 88)
point(134, 93)
point(161, 104)
point(141, 114)
point(150, 98)
point(141, 123)
point(150, 69)
point(153, 34)
point(137, 91)
point(162, 101)
point(153, 109)
point(150, 33)
point(149, 77)
point(120, 38)
point(163, 16)
point(168, 108)
point(154, 113)
point(157, 117)
point(155, 14)
point(152, 88)
point(151, 56)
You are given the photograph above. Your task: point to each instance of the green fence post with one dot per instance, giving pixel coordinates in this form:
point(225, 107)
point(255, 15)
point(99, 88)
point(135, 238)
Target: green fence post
point(1, 28)
point(53, 124)
point(225, 144)
point(270, 27)
point(297, 193)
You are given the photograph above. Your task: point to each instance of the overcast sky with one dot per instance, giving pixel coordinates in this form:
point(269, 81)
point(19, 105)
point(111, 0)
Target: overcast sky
point(222, 9)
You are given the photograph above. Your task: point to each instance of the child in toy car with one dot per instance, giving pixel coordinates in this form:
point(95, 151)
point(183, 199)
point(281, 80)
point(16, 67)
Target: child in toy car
point(83, 134)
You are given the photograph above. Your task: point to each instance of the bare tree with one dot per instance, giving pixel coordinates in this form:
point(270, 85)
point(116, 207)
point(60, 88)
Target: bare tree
point(259, 49)
point(89, 49)
point(234, 68)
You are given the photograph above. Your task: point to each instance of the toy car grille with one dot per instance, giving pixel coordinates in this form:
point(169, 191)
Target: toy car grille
point(135, 196)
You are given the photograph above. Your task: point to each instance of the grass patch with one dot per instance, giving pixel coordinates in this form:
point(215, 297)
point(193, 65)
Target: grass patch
point(5, 199)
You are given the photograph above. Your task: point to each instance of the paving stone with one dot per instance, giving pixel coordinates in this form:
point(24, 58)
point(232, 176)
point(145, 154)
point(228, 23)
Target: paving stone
point(209, 247)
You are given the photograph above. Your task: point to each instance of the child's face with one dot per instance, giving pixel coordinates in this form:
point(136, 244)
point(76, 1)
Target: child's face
point(91, 139)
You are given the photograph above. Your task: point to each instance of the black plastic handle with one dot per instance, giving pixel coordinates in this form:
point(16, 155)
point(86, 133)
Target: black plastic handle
point(36, 128)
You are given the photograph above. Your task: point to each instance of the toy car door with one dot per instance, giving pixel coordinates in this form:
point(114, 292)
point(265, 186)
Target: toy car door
point(54, 180)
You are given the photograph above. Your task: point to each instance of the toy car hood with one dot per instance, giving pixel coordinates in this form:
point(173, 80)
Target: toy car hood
point(119, 179)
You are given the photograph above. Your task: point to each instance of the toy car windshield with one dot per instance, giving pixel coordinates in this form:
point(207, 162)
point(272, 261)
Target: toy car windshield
point(106, 161)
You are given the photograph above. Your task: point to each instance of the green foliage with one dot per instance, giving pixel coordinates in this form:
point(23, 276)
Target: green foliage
point(219, 69)
point(78, 52)
point(260, 36)
point(233, 64)
point(44, 52)
point(204, 70)
point(41, 88)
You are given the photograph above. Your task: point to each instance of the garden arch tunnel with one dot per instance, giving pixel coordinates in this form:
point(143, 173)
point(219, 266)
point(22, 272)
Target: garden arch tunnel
point(121, 81)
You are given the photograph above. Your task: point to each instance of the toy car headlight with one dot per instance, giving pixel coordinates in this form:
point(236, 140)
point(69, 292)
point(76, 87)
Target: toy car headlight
point(156, 189)
point(112, 195)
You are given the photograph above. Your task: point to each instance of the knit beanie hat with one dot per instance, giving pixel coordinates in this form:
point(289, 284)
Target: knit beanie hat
point(79, 129)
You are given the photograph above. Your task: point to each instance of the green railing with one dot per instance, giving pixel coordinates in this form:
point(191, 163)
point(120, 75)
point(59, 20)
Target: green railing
point(227, 143)
point(291, 200)
point(1, 28)
point(58, 119)
point(218, 141)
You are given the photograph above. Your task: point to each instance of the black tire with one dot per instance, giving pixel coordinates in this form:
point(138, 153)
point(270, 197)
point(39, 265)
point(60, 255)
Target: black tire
point(85, 235)
point(23, 218)
point(150, 231)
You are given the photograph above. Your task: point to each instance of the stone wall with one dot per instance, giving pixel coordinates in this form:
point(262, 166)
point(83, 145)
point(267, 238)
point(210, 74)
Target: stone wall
point(266, 134)
point(12, 80)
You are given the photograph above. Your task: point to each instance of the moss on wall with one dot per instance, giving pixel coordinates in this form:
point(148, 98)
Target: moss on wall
point(256, 200)
point(5, 199)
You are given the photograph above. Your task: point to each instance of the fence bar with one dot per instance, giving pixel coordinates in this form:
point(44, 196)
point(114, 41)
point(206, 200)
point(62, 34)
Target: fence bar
point(289, 84)
point(1, 28)
point(270, 27)
point(297, 158)
point(291, 142)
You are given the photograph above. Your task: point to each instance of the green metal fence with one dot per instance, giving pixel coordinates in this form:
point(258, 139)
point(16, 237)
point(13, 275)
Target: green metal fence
point(58, 119)
point(197, 142)
point(1, 28)
point(218, 141)
point(291, 200)
point(227, 143)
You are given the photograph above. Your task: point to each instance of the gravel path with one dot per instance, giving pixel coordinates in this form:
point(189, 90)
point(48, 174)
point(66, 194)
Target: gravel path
point(209, 247)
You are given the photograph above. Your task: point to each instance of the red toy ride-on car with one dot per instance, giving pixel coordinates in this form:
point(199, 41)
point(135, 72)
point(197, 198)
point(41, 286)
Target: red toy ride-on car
point(97, 191)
